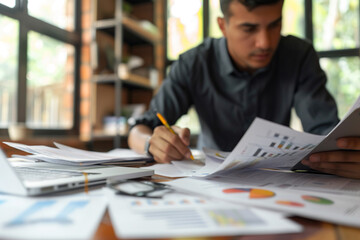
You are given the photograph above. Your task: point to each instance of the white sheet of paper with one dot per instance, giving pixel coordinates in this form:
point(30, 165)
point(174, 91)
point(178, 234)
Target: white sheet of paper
point(187, 167)
point(221, 155)
point(70, 217)
point(316, 205)
point(267, 144)
point(179, 215)
point(72, 156)
point(126, 153)
point(286, 179)
point(166, 169)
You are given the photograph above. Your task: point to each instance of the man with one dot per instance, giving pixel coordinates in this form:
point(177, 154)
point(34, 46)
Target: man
point(252, 72)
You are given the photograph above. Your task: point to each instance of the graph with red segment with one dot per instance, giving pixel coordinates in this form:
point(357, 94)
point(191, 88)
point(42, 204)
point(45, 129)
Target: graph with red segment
point(254, 193)
point(289, 203)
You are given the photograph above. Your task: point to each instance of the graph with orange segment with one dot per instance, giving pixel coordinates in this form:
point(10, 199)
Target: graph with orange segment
point(317, 200)
point(254, 193)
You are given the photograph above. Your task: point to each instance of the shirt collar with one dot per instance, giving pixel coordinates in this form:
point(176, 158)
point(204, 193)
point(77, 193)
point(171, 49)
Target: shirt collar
point(227, 64)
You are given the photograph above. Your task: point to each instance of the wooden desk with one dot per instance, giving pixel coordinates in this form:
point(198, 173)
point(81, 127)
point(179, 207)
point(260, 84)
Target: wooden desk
point(313, 230)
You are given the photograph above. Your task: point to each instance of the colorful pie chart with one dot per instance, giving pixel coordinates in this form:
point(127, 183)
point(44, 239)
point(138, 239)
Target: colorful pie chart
point(289, 203)
point(317, 200)
point(253, 192)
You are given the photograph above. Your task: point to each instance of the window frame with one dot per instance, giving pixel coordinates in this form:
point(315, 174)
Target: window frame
point(28, 23)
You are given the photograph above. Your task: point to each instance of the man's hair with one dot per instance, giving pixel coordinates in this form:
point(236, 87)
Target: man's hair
point(249, 4)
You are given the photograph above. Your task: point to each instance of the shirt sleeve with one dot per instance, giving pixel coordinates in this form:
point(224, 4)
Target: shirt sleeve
point(313, 103)
point(173, 98)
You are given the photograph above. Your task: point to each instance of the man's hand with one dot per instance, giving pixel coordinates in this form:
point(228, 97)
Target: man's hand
point(345, 162)
point(165, 146)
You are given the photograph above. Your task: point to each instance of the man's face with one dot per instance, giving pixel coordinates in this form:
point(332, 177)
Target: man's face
point(252, 36)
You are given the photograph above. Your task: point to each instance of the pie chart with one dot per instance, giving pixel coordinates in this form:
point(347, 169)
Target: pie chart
point(289, 203)
point(317, 200)
point(254, 193)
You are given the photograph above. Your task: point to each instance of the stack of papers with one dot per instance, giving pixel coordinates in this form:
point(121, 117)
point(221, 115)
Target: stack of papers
point(76, 157)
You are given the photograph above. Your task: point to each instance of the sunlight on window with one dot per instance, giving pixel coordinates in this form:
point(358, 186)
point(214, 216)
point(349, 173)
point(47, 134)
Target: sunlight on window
point(215, 12)
point(9, 3)
point(185, 26)
point(60, 13)
point(293, 18)
point(336, 24)
point(50, 82)
point(343, 80)
point(9, 66)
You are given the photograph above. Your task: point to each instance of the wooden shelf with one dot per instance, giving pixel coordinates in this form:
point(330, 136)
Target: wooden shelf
point(138, 81)
point(133, 26)
point(139, 32)
point(134, 33)
point(105, 78)
point(105, 23)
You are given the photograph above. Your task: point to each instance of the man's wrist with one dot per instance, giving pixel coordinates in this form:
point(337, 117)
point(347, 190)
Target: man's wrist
point(147, 147)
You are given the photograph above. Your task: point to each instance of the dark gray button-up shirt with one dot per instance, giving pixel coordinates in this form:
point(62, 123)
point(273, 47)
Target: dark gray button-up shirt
point(228, 100)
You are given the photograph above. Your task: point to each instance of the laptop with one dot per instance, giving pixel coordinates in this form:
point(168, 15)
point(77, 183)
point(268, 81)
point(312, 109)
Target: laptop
point(34, 178)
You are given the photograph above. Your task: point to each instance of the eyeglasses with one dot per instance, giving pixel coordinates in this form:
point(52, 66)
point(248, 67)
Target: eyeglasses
point(140, 188)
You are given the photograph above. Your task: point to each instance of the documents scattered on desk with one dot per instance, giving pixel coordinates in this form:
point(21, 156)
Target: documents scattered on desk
point(70, 217)
point(270, 145)
point(180, 215)
point(72, 156)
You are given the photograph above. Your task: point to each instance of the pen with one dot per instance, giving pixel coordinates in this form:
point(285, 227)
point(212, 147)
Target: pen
point(165, 123)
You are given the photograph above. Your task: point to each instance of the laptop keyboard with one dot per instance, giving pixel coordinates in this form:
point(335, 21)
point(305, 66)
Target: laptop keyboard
point(38, 174)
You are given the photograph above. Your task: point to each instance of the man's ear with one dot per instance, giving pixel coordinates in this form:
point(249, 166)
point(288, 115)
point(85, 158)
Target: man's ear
point(221, 22)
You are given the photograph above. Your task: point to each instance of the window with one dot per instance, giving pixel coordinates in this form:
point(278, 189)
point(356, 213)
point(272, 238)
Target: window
point(332, 25)
point(184, 26)
point(59, 13)
point(336, 24)
point(9, 34)
point(40, 46)
point(9, 3)
point(214, 13)
point(294, 18)
point(49, 89)
point(336, 38)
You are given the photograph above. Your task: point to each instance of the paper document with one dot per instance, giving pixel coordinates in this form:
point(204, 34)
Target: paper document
point(269, 145)
point(187, 168)
point(72, 156)
point(180, 215)
point(286, 179)
point(322, 206)
point(71, 217)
